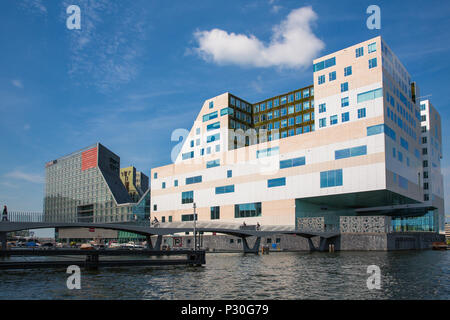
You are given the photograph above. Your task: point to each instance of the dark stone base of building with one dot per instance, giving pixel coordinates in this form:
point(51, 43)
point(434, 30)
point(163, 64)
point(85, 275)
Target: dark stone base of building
point(344, 242)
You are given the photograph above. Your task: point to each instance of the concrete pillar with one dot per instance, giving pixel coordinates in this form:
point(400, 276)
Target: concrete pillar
point(311, 245)
point(255, 248)
point(149, 242)
point(3, 239)
point(158, 243)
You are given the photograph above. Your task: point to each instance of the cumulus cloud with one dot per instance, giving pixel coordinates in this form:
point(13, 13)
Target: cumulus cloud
point(293, 44)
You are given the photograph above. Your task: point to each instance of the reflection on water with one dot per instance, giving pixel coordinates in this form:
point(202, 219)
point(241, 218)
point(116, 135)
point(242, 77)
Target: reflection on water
point(342, 275)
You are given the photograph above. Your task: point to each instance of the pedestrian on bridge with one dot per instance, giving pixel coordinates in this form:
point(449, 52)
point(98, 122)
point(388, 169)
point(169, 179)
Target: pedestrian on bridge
point(5, 214)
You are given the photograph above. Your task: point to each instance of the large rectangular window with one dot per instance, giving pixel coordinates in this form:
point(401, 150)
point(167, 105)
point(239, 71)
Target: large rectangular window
point(247, 210)
point(332, 178)
point(215, 213)
point(276, 182)
point(225, 189)
point(267, 152)
point(226, 111)
point(370, 95)
point(380, 128)
point(187, 217)
point(295, 162)
point(187, 155)
point(187, 197)
point(324, 64)
point(213, 163)
point(213, 126)
point(214, 137)
point(192, 180)
point(210, 116)
point(350, 152)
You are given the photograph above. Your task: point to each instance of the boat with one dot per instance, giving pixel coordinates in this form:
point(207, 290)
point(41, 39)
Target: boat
point(439, 246)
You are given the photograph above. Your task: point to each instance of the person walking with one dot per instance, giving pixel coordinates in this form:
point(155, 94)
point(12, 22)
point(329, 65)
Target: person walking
point(5, 214)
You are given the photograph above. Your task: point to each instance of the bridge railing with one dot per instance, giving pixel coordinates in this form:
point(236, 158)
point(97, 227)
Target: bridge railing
point(23, 216)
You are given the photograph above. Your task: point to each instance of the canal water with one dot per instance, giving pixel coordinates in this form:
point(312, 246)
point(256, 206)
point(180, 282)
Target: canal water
point(279, 275)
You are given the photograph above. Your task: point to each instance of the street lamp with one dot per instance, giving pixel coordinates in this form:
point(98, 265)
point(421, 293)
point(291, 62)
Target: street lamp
point(195, 228)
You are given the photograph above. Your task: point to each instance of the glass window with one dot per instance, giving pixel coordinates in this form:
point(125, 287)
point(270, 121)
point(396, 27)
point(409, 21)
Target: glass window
point(187, 197)
point(283, 100)
point(306, 117)
point(269, 105)
point(215, 213)
point(196, 179)
point(295, 162)
point(225, 189)
point(298, 107)
point(322, 107)
point(291, 98)
point(333, 120)
point(350, 152)
point(331, 178)
point(276, 182)
point(298, 95)
point(247, 210)
point(344, 87)
point(276, 102)
point(372, 63)
point(229, 173)
point(291, 109)
point(283, 112)
point(332, 76)
point(344, 102)
point(210, 116)
point(372, 47)
point(298, 119)
point(321, 79)
point(359, 52)
point(348, 71)
point(211, 104)
point(361, 113)
point(322, 123)
point(345, 117)
point(213, 163)
point(306, 105)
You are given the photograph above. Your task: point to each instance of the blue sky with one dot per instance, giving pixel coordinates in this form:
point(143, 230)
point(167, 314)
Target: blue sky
point(137, 70)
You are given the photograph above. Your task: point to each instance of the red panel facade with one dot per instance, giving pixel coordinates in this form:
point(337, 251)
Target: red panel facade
point(89, 159)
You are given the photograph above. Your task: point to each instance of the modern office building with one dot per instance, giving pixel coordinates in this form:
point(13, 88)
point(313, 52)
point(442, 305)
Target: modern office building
point(85, 186)
point(323, 156)
point(134, 181)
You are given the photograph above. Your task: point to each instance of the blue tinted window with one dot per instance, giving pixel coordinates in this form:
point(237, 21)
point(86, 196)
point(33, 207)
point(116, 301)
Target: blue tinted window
point(344, 102)
point(344, 87)
point(370, 95)
point(361, 113)
point(196, 179)
point(267, 152)
point(213, 163)
point(276, 182)
point(295, 162)
point(229, 173)
point(332, 76)
point(225, 189)
point(331, 178)
point(333, 120)
point(321, 79)
point(187, 155)
point(210, 116)
point(211, 104)
point(213, 126)
point(359, 52)
point(345, 117)
point(372, 63)
point(187, 197)
point(214, 137)
point(350, 152)
point(348, 71)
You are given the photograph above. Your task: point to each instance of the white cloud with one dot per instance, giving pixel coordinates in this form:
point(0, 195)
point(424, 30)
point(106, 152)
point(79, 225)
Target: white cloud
point(30, 177)
point(276, 8)
point(293, 44)
point(34, 6)
point(105, 54)
point(17, 83)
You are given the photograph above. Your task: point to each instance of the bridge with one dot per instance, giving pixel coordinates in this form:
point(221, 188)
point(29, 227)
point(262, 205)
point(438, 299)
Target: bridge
point(236, 230)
